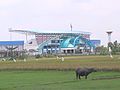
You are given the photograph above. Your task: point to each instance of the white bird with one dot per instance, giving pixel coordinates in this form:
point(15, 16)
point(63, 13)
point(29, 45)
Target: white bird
point(62, 58)
point(57, 57)
point(24, 60)
point(3, 59)
point(14, 60)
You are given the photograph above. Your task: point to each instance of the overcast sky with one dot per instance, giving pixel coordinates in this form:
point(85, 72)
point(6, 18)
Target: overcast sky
point(95, 16)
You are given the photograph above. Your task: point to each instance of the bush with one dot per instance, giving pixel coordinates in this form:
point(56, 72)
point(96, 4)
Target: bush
point(38, 56)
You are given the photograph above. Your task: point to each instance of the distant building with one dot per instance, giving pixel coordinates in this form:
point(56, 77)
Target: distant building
point(96, 42)
point(11, 48)
point(59, 42)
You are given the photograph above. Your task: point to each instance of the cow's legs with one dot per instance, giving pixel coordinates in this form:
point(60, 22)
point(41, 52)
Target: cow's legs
point(79, 77)
point(86, 77)
point(76, 75)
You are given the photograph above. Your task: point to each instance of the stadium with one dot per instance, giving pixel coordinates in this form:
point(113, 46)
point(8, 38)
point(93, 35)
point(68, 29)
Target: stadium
point(72, 42)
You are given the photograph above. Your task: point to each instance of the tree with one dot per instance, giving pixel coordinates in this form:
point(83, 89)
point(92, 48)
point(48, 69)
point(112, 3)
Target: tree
point(101, 50)
point(115, 47)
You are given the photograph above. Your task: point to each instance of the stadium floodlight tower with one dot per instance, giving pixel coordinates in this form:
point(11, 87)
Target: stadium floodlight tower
point(109, 36)
point(109, 41)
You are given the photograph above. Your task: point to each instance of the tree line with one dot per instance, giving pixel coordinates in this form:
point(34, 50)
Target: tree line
point(115, 48)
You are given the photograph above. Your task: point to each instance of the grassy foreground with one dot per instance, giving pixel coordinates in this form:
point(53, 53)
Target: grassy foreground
point(58, 80)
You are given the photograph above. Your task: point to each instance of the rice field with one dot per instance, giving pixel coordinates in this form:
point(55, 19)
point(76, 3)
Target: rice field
point(69, 63)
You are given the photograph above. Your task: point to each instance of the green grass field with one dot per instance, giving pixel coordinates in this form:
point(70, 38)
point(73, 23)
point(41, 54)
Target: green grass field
point(58, 80)
point(52, 74)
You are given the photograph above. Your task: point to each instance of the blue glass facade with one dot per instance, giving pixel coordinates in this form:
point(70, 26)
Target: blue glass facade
point(96, 42)
point(11, 42)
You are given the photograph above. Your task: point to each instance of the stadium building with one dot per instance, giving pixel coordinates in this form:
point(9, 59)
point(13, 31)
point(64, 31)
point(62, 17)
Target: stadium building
point(58, 42)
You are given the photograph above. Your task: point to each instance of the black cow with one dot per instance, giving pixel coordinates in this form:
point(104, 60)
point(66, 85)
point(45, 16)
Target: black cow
point(83, 72)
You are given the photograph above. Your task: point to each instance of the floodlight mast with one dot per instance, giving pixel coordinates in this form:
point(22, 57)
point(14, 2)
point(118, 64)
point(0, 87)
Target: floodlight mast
point(71, 27)
point(109, 36)
point(109, 41)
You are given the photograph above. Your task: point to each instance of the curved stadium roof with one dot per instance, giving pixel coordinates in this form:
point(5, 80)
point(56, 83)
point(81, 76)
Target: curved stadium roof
point(33, 32)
